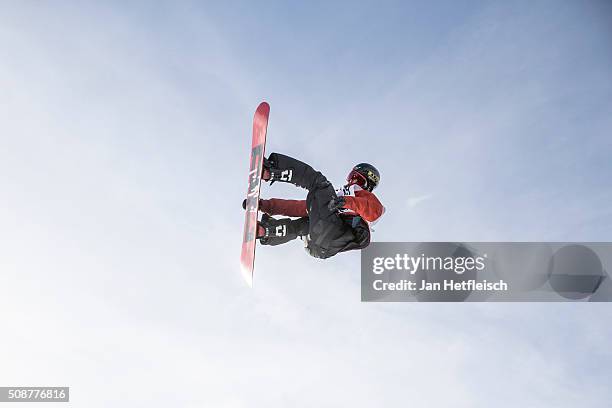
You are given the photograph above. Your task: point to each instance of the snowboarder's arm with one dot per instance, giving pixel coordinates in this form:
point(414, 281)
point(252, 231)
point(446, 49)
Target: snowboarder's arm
point(290, 208)
point(365, 204)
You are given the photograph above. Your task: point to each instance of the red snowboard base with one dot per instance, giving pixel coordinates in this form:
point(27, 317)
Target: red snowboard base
point(258, 147)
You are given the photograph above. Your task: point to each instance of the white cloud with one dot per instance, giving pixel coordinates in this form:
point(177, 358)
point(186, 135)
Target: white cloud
point(417, 200)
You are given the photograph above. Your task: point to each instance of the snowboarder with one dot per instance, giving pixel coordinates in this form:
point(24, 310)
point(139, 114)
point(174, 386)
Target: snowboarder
point(329, 221)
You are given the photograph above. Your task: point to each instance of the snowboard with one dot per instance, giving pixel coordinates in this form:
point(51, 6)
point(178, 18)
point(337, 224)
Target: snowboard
point(258, 147)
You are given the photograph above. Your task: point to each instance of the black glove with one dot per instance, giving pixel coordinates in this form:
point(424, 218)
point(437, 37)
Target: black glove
point(336, 203)
point(244, 203)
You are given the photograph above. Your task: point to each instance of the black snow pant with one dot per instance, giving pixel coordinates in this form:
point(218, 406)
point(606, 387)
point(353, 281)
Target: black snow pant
point(328, 234)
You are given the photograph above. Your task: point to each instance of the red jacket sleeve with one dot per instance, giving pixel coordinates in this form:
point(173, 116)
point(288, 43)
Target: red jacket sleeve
point(365, 204)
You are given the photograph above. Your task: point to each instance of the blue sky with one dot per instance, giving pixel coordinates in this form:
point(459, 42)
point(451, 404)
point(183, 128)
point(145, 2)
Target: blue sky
point(124, 134)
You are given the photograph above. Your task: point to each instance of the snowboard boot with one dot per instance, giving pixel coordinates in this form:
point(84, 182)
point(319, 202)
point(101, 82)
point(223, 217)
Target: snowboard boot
point(261, 231)
point(265, 172)
point(272, 172)
point(289, 170)
point(280, 231)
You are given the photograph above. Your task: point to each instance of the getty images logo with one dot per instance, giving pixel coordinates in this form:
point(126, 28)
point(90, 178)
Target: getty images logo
point(413, 264)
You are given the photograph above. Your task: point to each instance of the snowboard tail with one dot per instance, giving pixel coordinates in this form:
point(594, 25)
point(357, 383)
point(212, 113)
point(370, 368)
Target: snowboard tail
point(258, 147)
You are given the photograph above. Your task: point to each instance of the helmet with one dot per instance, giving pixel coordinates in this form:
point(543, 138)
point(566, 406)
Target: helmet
point(365, 176)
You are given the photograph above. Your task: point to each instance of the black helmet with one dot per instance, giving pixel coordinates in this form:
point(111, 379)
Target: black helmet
point(364, 175)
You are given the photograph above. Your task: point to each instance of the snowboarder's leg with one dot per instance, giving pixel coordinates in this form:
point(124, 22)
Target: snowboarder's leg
point(287, 169)
point(279, 206)
point(283, 230)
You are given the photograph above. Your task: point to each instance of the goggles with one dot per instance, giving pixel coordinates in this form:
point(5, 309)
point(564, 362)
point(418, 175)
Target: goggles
point(355, 177)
